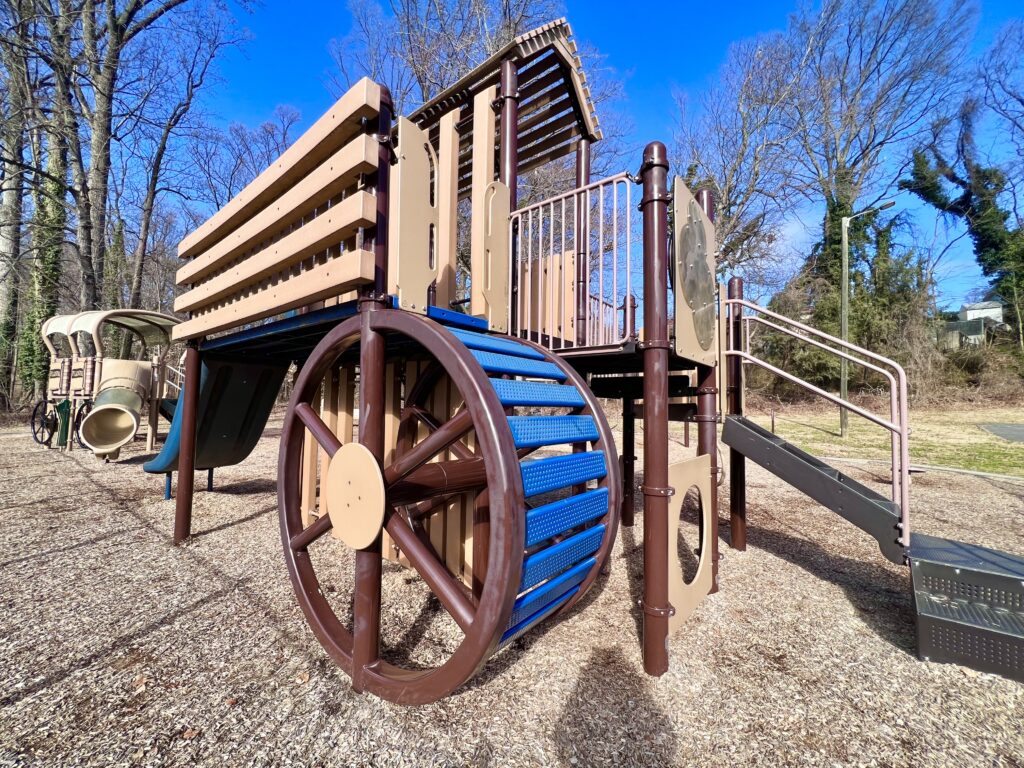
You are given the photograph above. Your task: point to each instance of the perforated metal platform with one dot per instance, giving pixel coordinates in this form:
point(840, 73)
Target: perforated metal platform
point(969, 602)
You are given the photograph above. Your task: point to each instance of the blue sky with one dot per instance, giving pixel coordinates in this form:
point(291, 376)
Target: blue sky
point(287, 61)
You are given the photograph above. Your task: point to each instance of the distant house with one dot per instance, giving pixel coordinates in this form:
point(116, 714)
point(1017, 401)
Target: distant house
point(982, 310)
point(975, 323)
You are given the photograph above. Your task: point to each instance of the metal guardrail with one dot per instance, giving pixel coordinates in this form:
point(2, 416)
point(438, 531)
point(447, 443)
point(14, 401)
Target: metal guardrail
point(896, 424)
point(582, 243)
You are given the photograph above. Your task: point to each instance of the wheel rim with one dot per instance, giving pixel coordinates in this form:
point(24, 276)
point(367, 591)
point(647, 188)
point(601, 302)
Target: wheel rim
point(491, 612)
point(43, 425)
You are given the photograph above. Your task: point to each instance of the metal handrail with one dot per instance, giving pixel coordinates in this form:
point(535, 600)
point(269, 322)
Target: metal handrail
point(897, 424)
point(176, 381)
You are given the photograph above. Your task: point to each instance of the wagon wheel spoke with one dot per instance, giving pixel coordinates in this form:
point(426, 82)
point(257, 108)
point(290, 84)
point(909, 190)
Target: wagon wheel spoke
point(316, 426)
point(444, 437)
point(423, 558)
point(366, 612)
point(310, 533)
point(459, 448)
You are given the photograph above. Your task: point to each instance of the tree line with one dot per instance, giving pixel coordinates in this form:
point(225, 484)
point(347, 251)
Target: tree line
point(853, 102)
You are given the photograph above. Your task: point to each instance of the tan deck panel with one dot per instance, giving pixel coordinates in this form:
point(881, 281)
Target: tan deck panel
point(331, 227)
point(343, 273)
point(340, 171)
point(338, 126)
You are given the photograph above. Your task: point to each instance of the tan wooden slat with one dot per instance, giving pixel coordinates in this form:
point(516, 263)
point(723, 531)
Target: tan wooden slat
point(340, 171)
point(350, 270)
point(309, 471)
point(327, 134)
point(330, 228)
point(546, 157)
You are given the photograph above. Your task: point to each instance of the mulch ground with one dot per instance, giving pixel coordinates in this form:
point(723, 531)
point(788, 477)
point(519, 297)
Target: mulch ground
point(117, 648)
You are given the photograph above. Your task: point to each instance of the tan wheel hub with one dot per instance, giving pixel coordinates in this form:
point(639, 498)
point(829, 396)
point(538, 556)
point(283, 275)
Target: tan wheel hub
point(354, 495)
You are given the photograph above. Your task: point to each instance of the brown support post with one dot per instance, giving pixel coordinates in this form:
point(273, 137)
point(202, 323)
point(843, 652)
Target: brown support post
point(187, 449)
point(707, 442)
point(372, 370)
point(508, 159)
point(734, 392)
point(628, 460)
point(656, 606)
point(582, 234)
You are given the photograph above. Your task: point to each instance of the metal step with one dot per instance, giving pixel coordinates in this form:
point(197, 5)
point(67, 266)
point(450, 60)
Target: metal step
point(969, 602)
point(537, 393)
point(492, 362)
point(551, 561)
point(535, 431)
point(549, 520)
point(501, 344)
point(543, 475)
point(862, 506)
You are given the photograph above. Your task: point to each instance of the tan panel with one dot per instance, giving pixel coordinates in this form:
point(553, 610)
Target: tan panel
point(334, 129)
point(454, 517)
point(468, 509)
point(326, 182)
point(329, 409)
point(483, 175)
point(329, 229)
point(447, 200)
point(413, 220)
point(552, 296)
point(682, 596)
point(346, 403)
point(693, 270)
point(336, 276)
point(491, 272)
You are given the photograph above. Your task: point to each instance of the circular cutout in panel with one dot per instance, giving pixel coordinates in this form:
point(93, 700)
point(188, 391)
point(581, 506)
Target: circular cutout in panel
point(354, 496)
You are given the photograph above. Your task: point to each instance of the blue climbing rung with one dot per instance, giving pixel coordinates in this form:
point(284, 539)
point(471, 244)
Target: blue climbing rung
point(543, 475)
point(560, 557)
point(538, 617)
point(492, 362)
point(450, 317)
point(539, 393)
point(535, 431)
point(549, 591)
point(552, 519)
point(501, 344)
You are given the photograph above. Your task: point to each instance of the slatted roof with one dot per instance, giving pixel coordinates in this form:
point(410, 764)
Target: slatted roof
point(555, 106)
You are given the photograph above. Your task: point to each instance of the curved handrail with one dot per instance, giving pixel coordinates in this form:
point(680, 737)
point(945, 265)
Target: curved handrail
point(897, 424)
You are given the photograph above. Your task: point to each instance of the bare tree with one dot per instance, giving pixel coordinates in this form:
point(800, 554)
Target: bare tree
point(1002, 72)
point(737, 145)
point(420, 47)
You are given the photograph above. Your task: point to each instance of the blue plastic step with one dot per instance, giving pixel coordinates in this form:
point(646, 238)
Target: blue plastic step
point(549, 591)
point(535, 431)
point(537, 618)
point(552, 519)
point(537, 393)
point(543, 475)
point(500, 344)
point(559, 557)
point(450, 317)
point(492, 362)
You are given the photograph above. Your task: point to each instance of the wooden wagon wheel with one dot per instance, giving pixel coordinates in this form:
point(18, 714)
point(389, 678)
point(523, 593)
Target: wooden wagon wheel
point(390, 498)
point(44, 423)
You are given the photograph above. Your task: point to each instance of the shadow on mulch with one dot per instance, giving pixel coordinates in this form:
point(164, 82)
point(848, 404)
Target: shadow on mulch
point(610, 718)
point(233, 523)
point(880, 595)
point(262, 485)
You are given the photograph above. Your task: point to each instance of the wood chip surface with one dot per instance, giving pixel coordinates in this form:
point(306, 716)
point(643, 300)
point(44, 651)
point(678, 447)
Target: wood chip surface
point(117, 648)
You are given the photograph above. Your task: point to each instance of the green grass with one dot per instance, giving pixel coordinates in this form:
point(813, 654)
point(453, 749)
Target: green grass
point(951, 438)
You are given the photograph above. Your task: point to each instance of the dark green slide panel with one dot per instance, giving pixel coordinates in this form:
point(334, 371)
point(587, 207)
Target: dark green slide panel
point(235, 400)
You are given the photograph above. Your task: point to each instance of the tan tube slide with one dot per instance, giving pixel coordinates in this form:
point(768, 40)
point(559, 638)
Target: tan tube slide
point(117, 410)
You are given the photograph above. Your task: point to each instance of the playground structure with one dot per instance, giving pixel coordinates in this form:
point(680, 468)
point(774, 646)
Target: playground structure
point(471, 446)
point(110, 398)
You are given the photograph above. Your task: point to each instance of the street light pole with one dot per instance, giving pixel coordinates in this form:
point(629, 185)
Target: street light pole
point(844, 307)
